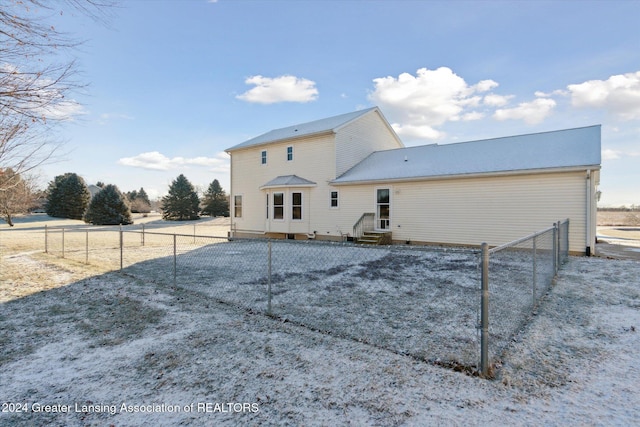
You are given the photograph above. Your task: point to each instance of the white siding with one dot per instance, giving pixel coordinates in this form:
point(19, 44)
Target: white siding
point(313, 159)
point(358, 139)
point(495, 210)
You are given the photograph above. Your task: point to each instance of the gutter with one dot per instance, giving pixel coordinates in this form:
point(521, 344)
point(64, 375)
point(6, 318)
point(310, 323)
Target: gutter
point(466, 175)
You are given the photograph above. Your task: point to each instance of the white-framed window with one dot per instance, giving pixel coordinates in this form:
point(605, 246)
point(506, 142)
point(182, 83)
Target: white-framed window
point(289, 153)
point(383, 208)
point(237, 206)
point(333, 199)
point(278, 205)
point(296, 206)
point(263, 157)
point(267, 205)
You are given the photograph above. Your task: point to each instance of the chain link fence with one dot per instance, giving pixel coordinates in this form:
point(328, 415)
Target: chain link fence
point(515, 277)
point(419, 301)
point(412, 300)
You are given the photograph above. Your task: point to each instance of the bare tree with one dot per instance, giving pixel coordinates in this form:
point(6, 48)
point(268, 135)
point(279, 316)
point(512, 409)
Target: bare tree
point(37, 79)
point(17, 194)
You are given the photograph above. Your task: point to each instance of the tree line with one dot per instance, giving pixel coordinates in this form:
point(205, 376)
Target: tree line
point(68, 196)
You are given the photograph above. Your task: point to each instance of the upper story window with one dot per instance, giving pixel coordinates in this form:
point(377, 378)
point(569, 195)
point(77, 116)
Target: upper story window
point(334, 199)
point(289, 154)
point(263, 157)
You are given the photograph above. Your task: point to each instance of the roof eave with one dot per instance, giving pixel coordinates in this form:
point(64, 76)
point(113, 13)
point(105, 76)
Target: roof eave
point(267, 187)
point(470, 175)
point(273, 141)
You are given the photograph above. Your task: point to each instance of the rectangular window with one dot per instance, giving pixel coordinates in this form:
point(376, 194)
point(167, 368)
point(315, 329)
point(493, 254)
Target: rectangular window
point(278, 205)
point(334, 199)
point(267, 205)
point(289, 154)
point(263, 157)
point(296, 206)
point(237, 206)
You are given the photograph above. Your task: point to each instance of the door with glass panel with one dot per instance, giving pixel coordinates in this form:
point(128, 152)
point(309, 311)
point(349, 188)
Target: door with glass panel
point(383, 209)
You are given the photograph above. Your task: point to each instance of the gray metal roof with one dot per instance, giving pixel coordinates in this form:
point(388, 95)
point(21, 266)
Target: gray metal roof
point(304, 129)
point(548, 150)
point(289, 181)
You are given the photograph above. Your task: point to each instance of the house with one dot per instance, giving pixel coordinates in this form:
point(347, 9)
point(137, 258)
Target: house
point(338, 177)
point(94, 189)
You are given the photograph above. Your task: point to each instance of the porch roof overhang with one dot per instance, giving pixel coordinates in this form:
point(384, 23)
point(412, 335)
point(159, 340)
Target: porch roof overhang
point(288, 181)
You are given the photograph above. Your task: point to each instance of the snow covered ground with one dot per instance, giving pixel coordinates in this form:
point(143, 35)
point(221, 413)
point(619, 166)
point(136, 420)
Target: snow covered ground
point(113, 349)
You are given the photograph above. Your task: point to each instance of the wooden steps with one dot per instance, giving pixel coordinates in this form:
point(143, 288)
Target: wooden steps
point(375, 238)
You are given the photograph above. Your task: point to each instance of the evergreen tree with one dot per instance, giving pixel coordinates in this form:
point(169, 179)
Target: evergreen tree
point(108, 207)
point(139, 201)
point(68, 197)
point(215, 201)
point(182, 203)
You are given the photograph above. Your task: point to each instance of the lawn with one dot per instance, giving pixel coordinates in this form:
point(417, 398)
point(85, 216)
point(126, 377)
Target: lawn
point(123, 349)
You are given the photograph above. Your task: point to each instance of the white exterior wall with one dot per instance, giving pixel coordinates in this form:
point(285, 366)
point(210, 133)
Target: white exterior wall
point(470, 211)
point(358, 139)
point(319, 159)
point(313, 159)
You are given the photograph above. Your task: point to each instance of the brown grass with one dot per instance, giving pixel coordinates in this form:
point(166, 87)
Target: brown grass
point(618, 218)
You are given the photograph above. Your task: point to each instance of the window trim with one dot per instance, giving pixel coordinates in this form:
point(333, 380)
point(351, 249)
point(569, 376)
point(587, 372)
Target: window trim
point(290, 153)
point(263, 157)
point(331, 199)
point(237, 207)
point(278, 206)
point(298, 206)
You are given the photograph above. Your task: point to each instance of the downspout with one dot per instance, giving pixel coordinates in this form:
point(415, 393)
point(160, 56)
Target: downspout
point(231, 207)
point(589, 219)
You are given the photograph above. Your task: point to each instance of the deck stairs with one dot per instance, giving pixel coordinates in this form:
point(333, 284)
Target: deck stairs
point(375, 238)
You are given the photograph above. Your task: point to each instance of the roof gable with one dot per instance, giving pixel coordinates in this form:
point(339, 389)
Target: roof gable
point(547, 150)
point(288, 181)
point(330, 124)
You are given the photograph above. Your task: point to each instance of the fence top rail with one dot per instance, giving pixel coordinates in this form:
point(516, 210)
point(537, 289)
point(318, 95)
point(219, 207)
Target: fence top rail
point(155, 233)
point(521, 240)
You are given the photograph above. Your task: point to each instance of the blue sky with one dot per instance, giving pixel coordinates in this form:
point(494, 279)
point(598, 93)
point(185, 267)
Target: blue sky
point(174, 83)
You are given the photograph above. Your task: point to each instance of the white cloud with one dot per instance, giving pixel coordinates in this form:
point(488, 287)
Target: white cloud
point(531, 112)
point(279, 89)
point(105, 118)
point(155, 160)
point(44, 97)
point(485, 85)
point(494, 100)
point(617, 154)
point(429, 99)
point(413, 131)
point(619, 94)
point(65, 110)
point(610, 154)
point(473, 115)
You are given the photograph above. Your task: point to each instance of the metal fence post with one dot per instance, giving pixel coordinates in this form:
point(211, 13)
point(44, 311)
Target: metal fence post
point(484, 313)
point(175, 261)
point(555, 249)
point(535, 273)
point(269, 278)
point(121, 248)
point(142, 237)
point(86, 247)
point(63, 243)
point(46, 239)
